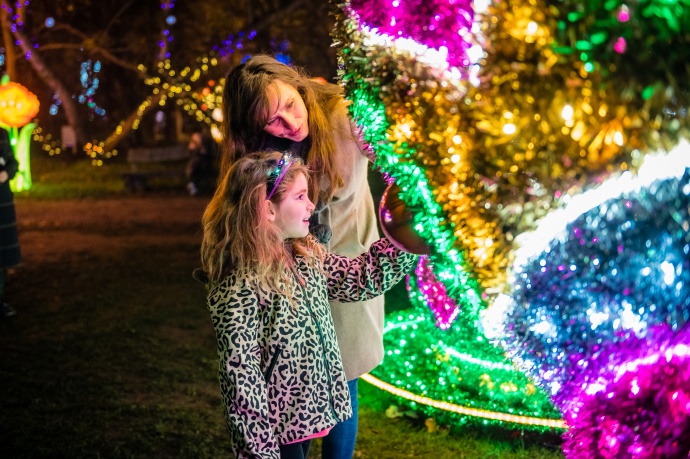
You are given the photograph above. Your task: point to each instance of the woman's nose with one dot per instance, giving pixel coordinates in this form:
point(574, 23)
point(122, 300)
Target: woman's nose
point(289, 123)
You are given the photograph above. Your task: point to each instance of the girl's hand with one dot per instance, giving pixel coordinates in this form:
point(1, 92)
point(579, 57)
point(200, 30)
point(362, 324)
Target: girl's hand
point(4, 176)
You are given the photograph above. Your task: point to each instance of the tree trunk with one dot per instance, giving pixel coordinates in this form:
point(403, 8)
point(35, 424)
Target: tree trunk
point(48, 78)
point(10, 55)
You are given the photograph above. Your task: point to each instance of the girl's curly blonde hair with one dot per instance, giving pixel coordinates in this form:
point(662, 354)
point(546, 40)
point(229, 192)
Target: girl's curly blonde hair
point(237, 232)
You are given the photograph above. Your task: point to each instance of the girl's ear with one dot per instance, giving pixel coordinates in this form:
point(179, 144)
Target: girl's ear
point(270, 210)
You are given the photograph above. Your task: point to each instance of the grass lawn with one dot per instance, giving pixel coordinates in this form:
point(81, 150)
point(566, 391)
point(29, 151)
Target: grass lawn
point(112, 353)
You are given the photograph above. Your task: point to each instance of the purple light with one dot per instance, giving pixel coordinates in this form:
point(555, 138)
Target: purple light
point(434, 23)
point(620, 45)
point(633, 400)
point(623, 14)
point(444, 308)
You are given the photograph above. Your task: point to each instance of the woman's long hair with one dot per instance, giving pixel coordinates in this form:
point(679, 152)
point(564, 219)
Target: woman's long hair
point(237, 232)
point(245, 114)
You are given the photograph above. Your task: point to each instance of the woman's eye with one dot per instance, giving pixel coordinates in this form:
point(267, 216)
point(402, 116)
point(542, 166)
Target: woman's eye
point(289, 105)
point(271, 122)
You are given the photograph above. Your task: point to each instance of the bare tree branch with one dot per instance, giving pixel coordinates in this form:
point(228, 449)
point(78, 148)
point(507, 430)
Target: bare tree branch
point(125, 127)
point(48, 77)
point(89, 44)
point(10, 55)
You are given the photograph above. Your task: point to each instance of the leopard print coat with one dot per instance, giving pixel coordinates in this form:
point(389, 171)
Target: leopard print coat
point(281, 376)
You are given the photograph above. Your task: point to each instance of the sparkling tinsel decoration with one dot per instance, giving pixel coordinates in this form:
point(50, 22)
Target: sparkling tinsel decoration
point(434, 292)
point(416, 82)
point(557, 107)
point(439, 24)
point(567, 95)
point(456, 366)
point(593, 315)
point(637, 409)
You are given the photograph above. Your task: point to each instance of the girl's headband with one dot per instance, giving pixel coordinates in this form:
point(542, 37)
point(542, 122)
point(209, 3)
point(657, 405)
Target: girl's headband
point(277, 174)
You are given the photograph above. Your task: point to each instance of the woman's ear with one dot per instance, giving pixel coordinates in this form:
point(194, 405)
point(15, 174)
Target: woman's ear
point(270, 210)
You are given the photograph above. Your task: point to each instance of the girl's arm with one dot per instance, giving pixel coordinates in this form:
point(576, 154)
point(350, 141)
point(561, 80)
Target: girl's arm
point(235, 314)
point(367, 276)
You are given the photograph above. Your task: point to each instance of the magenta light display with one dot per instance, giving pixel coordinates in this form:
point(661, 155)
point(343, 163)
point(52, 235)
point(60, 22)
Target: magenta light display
point(434, 23)
point(639, 408)
point(600, 318)
point(445, 309)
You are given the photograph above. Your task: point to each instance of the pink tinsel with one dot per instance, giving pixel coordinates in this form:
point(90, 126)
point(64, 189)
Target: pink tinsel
point(444, 308)
point(434, 23)
point(638, 407)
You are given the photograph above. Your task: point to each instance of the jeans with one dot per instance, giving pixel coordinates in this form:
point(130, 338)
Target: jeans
point(340, 441)
point(295, 450)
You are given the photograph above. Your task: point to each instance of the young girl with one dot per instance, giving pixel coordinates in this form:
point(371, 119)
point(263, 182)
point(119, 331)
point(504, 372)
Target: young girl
point(270, 105)
point(269, 281)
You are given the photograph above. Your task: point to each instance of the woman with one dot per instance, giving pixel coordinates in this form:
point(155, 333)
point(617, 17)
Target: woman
point(269, 105)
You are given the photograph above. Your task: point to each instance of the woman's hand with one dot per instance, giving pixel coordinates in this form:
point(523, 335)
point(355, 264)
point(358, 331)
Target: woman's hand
point(4, 176)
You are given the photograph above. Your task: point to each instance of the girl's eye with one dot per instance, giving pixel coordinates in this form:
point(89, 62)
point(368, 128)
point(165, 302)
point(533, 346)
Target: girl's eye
point(300, 197)
point(289, 105)
point(271, 122)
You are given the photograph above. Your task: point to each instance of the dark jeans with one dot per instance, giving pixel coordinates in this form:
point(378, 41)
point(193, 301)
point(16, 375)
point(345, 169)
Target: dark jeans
point(3, 281)
point(295, 450)
point(340, 441)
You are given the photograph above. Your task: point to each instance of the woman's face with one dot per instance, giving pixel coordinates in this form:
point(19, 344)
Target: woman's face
point(287, 114)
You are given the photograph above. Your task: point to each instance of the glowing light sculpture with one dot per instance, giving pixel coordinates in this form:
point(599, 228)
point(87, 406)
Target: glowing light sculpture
point(404, 79)
point(495, 119)
point(18, 106)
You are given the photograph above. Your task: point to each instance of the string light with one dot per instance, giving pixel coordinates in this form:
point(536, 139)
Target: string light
point(464, 410)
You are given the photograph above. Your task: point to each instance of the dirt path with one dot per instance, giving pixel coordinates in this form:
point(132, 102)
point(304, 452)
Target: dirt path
point(48, 230)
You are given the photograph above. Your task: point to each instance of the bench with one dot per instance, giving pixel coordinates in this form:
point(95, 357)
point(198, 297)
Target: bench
point(154, 162)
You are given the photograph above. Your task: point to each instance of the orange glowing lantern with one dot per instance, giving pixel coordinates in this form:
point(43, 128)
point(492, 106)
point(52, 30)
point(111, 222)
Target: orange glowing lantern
point(18, 105)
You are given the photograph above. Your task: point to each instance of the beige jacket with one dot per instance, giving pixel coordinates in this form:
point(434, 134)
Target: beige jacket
point(352, 218)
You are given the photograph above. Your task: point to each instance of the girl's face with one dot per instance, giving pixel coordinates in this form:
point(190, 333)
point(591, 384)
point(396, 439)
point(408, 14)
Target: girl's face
point(287, 114)
point(292, 214)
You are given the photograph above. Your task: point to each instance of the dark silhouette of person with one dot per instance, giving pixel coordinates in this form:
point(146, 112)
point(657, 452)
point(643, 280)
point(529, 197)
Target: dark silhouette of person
point(200, 167)
point(10, 255)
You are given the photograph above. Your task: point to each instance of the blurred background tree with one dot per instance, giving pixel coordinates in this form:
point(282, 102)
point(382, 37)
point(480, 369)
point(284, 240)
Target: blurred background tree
point(96, 65)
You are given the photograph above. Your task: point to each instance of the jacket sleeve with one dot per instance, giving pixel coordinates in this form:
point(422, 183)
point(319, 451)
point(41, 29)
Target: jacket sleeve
point(368, 275)
point(236, 320)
